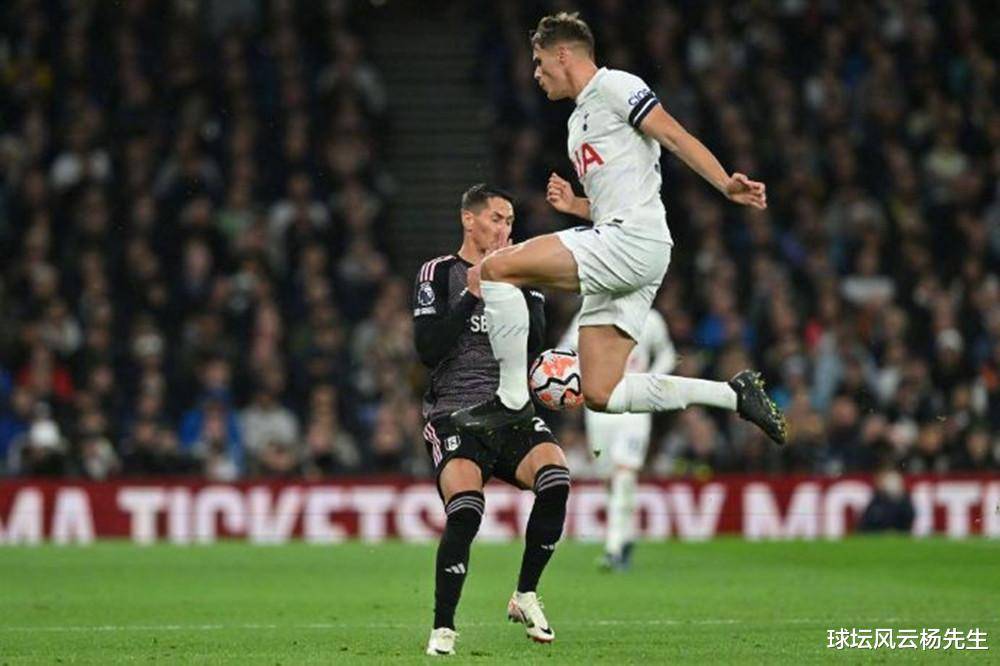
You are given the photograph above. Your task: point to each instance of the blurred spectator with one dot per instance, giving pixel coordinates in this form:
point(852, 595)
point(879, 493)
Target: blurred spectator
point(695, 448)
point(46, 377)
point(330, 449)
point(98, 459)
point(266, 421)
point(298, 215)
point(41, 450)
point(928, 455)
point(978, 453)
point(15, 422)
point(81, 162)
point(349, 75)
point(152, 451)
point(389, 449)
point(890, 507)
point(211, 433)
point(278, 459)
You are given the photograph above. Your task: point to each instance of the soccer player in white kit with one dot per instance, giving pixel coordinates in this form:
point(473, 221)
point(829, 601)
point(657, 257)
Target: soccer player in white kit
point(620, 441)
point(615, 135)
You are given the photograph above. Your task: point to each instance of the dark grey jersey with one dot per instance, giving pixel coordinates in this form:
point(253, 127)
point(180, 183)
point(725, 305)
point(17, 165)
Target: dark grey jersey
point(451, 337)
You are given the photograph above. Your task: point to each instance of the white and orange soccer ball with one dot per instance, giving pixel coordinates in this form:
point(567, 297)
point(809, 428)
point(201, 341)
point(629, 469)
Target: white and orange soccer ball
point(554, 379)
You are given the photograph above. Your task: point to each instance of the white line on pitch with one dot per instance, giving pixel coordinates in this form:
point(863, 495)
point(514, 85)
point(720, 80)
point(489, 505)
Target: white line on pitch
point(411, 625)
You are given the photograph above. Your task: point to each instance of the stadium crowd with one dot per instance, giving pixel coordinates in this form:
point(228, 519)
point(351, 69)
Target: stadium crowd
point(195, 278)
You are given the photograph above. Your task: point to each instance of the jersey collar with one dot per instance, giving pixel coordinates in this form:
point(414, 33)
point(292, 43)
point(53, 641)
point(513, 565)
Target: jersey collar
point(590, 84)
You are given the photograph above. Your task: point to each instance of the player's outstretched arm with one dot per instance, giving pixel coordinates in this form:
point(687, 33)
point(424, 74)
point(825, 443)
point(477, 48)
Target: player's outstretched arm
point(663, 127)
point(559, 194)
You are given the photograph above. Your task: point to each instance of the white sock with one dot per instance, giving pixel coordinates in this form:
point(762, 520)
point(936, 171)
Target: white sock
point(621, 511)
point(664, 393)
point(507, 325)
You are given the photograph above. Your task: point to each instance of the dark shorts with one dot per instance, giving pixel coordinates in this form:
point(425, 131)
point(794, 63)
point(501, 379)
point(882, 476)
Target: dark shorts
point(497, 454)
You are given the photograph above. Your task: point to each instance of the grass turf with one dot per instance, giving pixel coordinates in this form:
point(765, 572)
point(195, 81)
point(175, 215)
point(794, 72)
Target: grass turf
point(719, 601)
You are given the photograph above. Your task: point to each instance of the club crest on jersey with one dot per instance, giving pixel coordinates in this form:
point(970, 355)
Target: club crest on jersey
point(584, 157)
point(451, 443)
point(425, 295)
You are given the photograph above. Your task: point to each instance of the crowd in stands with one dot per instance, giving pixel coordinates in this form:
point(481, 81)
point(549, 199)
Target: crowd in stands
point(196, 280)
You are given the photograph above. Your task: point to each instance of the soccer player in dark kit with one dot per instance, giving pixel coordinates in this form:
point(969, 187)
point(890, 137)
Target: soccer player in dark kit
point(451, 340)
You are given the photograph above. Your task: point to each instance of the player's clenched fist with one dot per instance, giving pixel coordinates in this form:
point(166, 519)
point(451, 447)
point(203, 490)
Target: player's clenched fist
point(559, 194)
point(473, 281)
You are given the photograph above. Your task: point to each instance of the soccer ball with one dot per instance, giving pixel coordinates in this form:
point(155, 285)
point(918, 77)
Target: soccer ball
point(554, 379)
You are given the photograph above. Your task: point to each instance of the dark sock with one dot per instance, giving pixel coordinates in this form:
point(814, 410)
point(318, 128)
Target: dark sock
point(465, 512)
point(545, 525)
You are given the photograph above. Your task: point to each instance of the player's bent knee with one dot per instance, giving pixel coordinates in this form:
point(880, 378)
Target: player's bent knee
point(497, 267)
point(596, 399)
point(542, 455)
point(464, 513)
point(597, 392)
point(553, 481)
point(552, 484)
point(459, 475)
point(494, 268)
point(548, 453)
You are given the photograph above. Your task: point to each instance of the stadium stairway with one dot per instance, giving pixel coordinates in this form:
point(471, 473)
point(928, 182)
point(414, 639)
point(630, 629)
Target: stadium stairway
point(440, 135)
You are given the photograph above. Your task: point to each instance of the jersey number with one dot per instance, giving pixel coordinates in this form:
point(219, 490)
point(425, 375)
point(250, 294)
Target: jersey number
point(540, 425)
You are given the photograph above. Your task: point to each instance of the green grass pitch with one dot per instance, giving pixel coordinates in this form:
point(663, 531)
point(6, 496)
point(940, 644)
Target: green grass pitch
point(723, 601)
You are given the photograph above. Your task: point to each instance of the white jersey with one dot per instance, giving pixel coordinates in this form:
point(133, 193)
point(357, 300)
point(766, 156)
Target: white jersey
point(653, 352)
point(617, 164)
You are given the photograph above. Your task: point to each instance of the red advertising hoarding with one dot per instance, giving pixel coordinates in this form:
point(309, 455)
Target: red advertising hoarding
point(182, 511)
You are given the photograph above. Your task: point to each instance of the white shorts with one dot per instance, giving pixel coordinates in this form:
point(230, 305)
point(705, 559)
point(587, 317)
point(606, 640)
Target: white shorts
point(622, 439)
point(620, 273)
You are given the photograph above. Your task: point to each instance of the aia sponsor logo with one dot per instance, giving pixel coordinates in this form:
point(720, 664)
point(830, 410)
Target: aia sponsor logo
point(584, 158)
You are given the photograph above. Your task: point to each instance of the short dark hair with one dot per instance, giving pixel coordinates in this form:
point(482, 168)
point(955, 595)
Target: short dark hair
point(562, 27)
point(477, 196)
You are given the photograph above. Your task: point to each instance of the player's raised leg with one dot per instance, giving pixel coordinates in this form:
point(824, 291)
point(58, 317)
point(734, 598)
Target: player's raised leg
point(542, 262)
point(606, 388)
point(461, 485)
point(544, 470)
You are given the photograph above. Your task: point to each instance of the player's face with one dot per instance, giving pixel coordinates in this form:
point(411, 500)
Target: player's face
point(550, 74)
point(490, 227)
